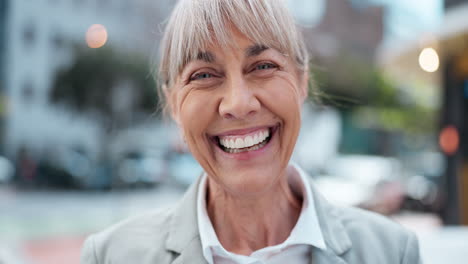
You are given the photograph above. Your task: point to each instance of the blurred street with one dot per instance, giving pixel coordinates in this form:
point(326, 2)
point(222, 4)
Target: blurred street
point(48, 227)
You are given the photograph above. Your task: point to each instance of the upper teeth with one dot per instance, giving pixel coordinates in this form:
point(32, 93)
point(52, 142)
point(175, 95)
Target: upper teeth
point(244, 142)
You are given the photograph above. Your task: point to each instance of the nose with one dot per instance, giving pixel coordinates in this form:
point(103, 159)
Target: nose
point(239, 101)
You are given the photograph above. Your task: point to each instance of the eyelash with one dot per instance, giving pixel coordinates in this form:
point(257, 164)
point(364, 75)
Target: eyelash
point(197, 75)
point(268, 64)
point(203, 75)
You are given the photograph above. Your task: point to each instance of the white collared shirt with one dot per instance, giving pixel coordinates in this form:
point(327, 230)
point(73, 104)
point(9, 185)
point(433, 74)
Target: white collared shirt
point(295, 249)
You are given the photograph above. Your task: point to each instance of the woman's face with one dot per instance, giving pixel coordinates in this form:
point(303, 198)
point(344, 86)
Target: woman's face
point(239, 112)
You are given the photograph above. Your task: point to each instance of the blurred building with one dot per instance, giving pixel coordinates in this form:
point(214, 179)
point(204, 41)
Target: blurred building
point(3, 65)
point(3, 32)
point(436, 63)
point(454, 48)
point(38, 38)
point(344, 26)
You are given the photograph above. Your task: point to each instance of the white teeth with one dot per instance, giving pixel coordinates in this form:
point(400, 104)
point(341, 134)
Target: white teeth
point(255, 147)
point(249, 141)
point(241, 143)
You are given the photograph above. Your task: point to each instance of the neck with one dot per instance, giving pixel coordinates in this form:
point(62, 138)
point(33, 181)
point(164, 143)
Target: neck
point(245, 224)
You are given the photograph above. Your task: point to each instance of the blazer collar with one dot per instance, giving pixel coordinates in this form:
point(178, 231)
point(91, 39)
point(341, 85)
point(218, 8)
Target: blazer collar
point(330, 220)
point(184, 239)
point(183, 227)
point(334, 233)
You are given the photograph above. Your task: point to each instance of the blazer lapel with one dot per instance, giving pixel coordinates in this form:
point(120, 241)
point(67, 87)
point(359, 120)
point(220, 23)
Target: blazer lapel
point(183, 238)
point(334, 233)
point(191, 254)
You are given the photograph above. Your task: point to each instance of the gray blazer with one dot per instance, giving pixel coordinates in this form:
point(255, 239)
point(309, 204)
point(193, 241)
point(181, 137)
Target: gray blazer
point(352, 236)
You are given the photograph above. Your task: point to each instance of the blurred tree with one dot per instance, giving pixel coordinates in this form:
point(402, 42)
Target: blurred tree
point(102, 81)
point(370, 101)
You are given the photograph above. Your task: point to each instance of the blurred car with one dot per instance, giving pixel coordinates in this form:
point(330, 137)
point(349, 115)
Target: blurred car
point(146, 167)
point(424, 184)
point(370, 182)
point(7, 170)
point(183, 168)
point(71, 166)
point(139, 156)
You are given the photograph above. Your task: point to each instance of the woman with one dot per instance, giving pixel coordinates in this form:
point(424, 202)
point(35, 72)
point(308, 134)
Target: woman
point(235, 76)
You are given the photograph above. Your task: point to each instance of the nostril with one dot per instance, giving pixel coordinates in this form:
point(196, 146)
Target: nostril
point(251, 113)
point(228, 116)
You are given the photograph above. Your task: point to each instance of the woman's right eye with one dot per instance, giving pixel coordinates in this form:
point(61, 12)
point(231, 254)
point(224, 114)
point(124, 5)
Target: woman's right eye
point(201, 76)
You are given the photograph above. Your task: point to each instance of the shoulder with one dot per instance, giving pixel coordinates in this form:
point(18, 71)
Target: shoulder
point(363, 221)
point(379, 236)
point(140, 237)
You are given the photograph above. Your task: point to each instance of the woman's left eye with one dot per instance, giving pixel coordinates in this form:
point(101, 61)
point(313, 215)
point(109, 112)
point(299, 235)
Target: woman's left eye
point(265, 66)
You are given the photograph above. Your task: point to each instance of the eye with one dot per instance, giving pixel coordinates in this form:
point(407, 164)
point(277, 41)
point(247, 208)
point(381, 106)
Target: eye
point(201, 76)
point(265, 66)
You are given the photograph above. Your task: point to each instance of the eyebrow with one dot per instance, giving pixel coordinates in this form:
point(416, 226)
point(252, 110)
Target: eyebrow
point(255, 50)
point(206, 56)
point(250, 51)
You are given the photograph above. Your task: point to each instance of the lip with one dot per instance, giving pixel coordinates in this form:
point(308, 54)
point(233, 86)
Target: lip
point(248, 154)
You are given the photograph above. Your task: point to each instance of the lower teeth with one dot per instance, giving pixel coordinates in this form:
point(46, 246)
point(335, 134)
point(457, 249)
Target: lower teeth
point(252, 148)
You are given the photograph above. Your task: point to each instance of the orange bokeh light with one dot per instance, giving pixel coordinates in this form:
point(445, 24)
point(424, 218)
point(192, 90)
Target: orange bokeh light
point(449, 140)
point(96, 36)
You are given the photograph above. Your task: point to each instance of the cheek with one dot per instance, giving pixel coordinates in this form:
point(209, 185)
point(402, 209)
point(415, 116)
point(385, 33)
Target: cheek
point(282, 97)
point(197, 111)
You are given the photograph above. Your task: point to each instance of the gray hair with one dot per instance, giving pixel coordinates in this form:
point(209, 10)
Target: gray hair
point(195, 24)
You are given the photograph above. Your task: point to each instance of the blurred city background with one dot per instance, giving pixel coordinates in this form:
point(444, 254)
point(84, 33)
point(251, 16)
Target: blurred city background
point(83, 145)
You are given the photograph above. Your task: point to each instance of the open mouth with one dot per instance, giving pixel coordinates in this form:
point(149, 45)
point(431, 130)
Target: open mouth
point(251, 142)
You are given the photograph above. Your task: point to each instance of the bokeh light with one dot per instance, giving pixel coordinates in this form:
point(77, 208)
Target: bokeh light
point(429, 60)
point(449, 140)
point(96, 36)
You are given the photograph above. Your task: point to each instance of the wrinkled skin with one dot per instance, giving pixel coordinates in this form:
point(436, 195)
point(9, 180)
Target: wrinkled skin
point(236, 92)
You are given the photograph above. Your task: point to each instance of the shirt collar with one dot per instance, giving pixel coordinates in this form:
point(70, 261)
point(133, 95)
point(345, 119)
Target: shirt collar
point(307, 230)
